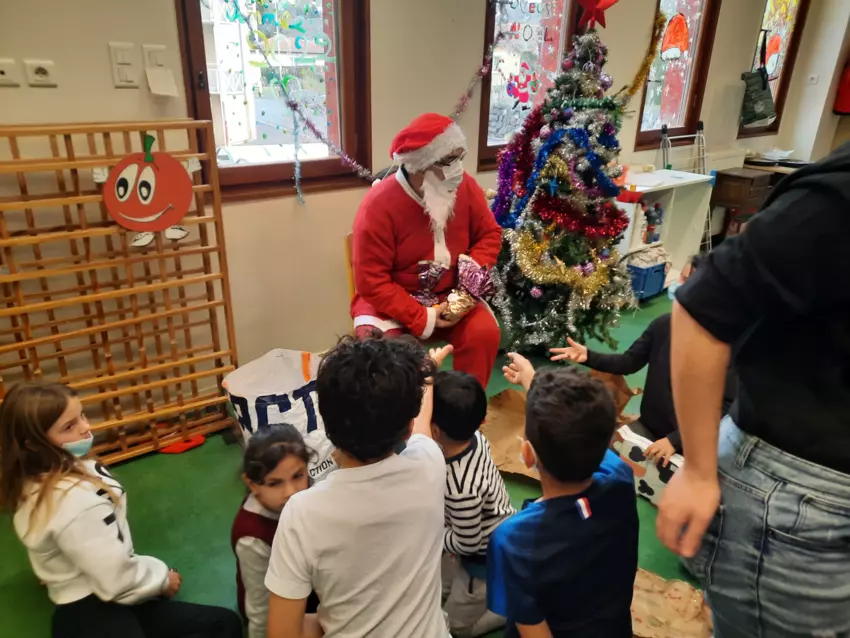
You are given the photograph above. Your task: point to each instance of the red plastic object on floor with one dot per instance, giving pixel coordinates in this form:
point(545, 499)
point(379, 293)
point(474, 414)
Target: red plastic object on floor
point(183, 446)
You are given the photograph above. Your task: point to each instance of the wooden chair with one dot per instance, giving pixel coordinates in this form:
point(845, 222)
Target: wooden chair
point(349, 263)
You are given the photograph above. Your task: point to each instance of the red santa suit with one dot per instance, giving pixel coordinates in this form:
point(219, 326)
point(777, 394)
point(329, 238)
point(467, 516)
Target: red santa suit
point(405, 263)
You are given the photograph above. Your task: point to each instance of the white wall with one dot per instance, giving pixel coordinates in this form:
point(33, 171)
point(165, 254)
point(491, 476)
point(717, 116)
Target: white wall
point(76, 36)
point(808, 124)
point(287, 264)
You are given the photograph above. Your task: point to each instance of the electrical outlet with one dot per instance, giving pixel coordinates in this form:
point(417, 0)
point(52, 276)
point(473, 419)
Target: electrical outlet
point(10, 74)
point(812, 79)
point(40, 73)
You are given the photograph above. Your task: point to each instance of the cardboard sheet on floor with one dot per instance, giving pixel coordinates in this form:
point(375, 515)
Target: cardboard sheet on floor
point(668, 609)
point(503, 428)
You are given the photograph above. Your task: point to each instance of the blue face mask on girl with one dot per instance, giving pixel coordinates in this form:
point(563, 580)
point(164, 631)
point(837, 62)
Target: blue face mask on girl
point(79, 448)
point(672, 288)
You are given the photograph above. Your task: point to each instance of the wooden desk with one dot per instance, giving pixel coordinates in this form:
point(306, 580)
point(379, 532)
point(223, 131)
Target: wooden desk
point(741, 191)
point(782, 170)
point(741, 188)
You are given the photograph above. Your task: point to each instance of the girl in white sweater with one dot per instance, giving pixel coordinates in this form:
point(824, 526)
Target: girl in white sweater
point(71, 515)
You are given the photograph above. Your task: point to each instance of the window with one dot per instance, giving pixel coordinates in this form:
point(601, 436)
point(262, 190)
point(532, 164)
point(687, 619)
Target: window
point(525, 63)
point(782, 28)
point(239, 59)
point(673, 92)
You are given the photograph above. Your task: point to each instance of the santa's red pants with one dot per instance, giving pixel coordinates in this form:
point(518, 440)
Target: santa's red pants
point(475, 339)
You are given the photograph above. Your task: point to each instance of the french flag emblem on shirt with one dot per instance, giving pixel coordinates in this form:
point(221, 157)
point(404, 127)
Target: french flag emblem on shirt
point(583, 506)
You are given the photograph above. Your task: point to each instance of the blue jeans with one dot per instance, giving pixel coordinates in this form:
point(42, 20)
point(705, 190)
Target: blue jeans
point(775, 562)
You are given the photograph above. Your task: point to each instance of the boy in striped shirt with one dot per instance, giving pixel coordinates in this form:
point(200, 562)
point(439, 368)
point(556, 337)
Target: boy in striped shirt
point(476, 501)
point(564, 567)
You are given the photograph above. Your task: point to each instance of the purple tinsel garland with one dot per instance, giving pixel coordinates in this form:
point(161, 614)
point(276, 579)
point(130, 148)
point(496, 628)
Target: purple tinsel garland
point(504, 190)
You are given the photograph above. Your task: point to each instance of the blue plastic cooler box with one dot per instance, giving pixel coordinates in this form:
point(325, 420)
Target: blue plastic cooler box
point(648, 281)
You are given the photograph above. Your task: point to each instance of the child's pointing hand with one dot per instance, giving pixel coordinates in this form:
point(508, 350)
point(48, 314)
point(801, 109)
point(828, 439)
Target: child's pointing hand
point(439, 354)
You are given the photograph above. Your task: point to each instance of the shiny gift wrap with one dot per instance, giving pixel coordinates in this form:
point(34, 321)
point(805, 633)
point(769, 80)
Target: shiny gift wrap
point(474, 284)
point(430, 273)
point(459, 303)
point(474, 279)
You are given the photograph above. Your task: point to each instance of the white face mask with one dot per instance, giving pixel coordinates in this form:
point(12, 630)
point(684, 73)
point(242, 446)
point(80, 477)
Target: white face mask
point(453, 175)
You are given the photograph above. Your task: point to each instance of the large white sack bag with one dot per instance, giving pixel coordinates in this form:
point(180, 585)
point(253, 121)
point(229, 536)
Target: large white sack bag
point(280, 387)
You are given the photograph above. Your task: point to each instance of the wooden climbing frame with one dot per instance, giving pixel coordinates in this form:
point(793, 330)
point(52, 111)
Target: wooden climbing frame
point(145, 335)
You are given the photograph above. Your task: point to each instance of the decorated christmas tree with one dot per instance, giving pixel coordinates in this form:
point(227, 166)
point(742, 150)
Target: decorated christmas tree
point(559, 273)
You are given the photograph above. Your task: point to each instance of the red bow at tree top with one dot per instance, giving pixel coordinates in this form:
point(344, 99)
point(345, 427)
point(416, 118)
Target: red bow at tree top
point(593, 11)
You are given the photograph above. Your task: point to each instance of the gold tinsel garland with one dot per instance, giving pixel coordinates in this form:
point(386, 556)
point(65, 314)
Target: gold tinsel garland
point(534, 262)
point(643, 72)
point(555, 167)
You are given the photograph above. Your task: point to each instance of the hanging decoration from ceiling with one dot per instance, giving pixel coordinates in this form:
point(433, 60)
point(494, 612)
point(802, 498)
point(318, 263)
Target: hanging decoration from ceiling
point(148, 193)
point(260, 42)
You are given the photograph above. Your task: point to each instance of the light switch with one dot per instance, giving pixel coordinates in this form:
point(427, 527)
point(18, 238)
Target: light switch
point(154, 55)
point(125, 65)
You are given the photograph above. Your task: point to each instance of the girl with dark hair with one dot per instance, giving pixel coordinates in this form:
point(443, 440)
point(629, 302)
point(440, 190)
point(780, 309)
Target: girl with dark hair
point(71, 514)
point(274, 468)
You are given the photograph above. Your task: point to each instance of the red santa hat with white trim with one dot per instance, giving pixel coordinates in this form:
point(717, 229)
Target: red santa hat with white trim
point(425, 141)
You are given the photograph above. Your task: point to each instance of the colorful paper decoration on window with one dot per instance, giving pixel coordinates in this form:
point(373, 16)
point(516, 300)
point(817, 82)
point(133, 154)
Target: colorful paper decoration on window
point(774, 46)
point(676, 37)
point(148, 192)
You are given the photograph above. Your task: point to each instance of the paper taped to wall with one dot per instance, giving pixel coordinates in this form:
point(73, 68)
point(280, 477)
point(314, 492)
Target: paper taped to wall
point(161, 81)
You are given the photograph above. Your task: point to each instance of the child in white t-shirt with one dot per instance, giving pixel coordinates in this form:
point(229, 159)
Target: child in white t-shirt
point(368, 539)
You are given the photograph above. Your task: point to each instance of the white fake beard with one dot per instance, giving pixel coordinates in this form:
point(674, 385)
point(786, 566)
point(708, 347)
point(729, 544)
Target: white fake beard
point(439, 201)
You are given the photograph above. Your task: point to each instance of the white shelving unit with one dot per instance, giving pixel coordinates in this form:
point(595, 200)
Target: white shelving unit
point(685, 198)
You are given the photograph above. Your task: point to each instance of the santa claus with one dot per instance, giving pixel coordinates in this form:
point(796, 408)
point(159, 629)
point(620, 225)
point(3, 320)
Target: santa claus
point(424, 241)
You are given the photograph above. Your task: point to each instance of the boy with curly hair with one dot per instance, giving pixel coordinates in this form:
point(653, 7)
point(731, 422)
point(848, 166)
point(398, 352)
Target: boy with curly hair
point(368, 539)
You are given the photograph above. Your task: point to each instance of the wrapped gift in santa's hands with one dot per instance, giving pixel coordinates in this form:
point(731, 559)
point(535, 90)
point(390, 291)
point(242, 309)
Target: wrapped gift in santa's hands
point(474, 285)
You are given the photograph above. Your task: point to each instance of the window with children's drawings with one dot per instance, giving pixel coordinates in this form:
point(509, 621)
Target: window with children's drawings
point(529, 42)
point(247, 58)
point(676, 80)
point(781, 29)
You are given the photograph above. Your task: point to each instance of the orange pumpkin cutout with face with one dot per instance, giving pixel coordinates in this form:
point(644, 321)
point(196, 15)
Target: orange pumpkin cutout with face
point(148, 192)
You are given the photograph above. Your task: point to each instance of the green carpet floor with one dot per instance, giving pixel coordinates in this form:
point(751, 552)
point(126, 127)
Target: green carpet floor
point(181, 508)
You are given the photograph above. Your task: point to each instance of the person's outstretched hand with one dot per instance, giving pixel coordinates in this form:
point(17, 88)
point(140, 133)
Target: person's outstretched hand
point(576, 352)
point(687, 507)
point(439, 354)
point(519, 371)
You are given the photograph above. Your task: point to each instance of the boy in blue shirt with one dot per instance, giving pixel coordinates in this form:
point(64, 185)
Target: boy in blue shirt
point(565, 565)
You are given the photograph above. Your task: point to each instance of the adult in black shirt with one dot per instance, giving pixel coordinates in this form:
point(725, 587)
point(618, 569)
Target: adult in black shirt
point(657, 416)
point(776, 558)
